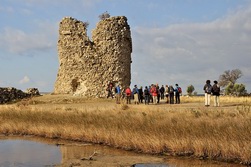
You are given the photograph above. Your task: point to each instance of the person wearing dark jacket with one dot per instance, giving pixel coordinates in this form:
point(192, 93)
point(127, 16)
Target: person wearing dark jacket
point(158, 93)
point(146, 95)
point(141, 95)
point(177, 94)
point(171, 94)
point(162, 92)
point(208, 90)
point(216, 94)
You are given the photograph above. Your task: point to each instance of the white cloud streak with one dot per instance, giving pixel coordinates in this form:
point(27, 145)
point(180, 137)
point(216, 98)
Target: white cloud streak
point(19, 42)
point(24, 80)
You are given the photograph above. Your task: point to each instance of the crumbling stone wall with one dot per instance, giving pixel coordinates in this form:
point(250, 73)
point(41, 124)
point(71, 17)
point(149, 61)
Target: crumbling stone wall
point(86, 67)
point(11, 94)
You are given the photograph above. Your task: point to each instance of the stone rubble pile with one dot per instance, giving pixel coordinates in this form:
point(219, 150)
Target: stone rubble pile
point(11, 94)
point(86, 67)
point(33, 91)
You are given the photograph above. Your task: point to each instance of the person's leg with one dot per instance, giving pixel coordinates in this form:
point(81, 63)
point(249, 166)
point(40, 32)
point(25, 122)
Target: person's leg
point(136, 98)
point(171, 98)
point(218, 101)
point(128, 99)
point(154, 99)
point(206, 99)
point(215, 101)
point(118, 98)
point(209, 99)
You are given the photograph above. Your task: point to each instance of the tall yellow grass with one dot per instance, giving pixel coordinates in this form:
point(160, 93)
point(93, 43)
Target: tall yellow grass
point(222, 133)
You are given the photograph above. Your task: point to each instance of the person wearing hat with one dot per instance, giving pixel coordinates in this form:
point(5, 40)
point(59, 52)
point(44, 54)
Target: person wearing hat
point(216, 94)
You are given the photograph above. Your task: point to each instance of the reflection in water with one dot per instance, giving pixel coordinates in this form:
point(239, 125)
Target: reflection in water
point(24, 153)
point(38, 152)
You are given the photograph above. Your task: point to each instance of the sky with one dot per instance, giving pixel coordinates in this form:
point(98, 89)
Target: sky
point(174, 41)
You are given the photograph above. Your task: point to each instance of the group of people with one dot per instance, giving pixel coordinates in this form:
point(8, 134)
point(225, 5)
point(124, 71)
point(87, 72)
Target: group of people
point(153, 93)
point(150, 94)
point(212, 90)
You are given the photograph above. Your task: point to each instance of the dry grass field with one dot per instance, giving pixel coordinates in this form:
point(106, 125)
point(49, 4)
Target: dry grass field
point(186, 129)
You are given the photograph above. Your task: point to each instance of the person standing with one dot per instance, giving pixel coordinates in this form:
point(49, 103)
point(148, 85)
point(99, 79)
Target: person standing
point(141, 94)
point(162, 92)
point(109, 90)
point(208, 90)
point(117, 92)
point(136, 94)
point(158, 93)
point(146, 95)
point(128, 95)
point(166, 93)
point(177, 94)
point(154, 94)
point(216, 94)
point(171, 94)
point(150, 93)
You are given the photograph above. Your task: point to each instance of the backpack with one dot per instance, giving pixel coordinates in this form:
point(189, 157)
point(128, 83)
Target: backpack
point(146, 92)
point(216, 89)
point(135, 90)
point(171, 89)
point(179, 90)
point(209, 88)
point(128, 92)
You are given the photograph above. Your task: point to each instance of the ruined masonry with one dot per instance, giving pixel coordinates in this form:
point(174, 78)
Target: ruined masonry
point(11, 94)
point(87, 66)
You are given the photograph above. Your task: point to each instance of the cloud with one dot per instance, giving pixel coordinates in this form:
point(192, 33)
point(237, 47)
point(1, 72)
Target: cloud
point(40, 35)
point(6, 9)
point(25, 80)
point(190, 53)
point(19, 42)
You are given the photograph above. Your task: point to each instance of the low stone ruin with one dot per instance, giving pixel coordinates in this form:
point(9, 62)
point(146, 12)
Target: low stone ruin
point(11, 94)
point(87, 66)
point(33, 91)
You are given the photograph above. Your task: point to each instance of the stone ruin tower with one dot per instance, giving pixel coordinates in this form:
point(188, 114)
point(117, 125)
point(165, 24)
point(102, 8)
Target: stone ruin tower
point(87, 66)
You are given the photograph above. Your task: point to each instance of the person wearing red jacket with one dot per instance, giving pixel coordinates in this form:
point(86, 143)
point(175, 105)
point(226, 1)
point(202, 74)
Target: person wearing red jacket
point(128, 95)
point(154, 94)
